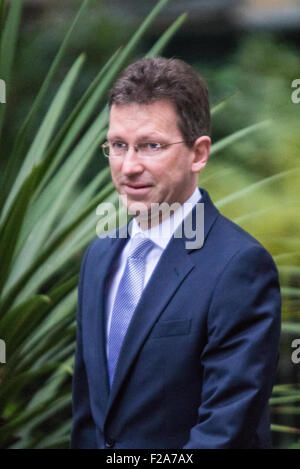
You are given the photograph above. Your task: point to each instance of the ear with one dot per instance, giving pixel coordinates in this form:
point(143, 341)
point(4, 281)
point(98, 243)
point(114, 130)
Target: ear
point(201, 149)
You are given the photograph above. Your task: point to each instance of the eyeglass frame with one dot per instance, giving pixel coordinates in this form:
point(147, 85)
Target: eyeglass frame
point(136, 148)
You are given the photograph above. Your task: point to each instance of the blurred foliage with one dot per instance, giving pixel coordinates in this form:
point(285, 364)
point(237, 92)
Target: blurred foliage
point(48, 211)
point(42, 30)
point(45, 222)
point(255, 180)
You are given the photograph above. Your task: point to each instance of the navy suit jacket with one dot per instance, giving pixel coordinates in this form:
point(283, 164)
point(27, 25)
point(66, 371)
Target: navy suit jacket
point(198, 362)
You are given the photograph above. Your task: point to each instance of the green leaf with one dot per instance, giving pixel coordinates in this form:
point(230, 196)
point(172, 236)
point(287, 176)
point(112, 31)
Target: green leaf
point(8, 46)
point(2, 16)
point(222, 104)
point(290, 292)
point(284, 429)
point(57, 438)
point(290, 327)
point(42, 411)
point(44, 134)
point(17, 324)
point(286, 410)
point(18, 150)
point(11, 388)
point(76, 121)
point(60, 188)
point(39, 262)
point(257, 185)
point(284, 389)
point(161, 43)
point(21, 136)
point(10, 228)
point(100, 181)
point(289, 269)
point(235, 136)
point(284, 399)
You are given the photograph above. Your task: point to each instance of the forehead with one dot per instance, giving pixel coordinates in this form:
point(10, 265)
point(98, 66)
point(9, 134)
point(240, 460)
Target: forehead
point(158, 118)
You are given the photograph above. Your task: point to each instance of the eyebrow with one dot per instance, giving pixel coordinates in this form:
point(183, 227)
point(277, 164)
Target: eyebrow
point(114, 137)
point(141, 139)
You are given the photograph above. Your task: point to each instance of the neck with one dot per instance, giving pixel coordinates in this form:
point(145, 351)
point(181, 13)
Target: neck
point(152, 218)
point(159, 212)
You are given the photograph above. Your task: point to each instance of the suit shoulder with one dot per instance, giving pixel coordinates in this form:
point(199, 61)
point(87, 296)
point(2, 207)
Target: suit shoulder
point(225, 236)
point(234, 234)
point(229, 239)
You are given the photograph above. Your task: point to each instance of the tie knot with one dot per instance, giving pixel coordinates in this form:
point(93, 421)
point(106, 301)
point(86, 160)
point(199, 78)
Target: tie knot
point(140, 247)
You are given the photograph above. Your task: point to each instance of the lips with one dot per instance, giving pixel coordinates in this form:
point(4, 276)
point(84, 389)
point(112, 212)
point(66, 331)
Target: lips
point(136, 189)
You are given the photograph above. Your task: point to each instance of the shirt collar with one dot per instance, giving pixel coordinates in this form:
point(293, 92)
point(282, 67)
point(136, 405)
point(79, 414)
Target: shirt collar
point(161, 234)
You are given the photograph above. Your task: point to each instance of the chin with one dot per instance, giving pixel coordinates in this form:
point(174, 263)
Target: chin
point(138, 208)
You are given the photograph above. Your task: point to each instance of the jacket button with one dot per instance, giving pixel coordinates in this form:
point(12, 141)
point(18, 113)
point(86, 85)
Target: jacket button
point(109, 443)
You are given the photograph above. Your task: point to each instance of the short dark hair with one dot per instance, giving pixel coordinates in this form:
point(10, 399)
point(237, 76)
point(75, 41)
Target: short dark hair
point(153, 79)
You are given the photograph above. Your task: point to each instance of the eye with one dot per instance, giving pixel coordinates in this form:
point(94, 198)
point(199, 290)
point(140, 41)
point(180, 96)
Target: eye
point(119, 145)
point(151, 146)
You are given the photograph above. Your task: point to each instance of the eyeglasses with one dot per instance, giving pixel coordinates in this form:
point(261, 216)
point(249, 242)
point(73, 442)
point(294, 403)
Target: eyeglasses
point(144, 150)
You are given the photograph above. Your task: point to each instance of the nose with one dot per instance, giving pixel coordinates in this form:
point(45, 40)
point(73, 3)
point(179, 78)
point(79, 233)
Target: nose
point(131, 163)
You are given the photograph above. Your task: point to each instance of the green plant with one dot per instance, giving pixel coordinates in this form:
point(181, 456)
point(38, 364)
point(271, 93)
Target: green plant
point(44, 225)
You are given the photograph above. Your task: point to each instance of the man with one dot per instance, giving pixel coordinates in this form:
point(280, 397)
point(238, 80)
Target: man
point(177, 344)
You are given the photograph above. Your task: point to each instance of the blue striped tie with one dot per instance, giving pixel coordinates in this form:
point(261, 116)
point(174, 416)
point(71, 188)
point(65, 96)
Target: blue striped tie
point(127, 297)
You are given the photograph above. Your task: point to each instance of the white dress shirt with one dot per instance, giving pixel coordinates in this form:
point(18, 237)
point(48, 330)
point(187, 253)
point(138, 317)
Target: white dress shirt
point(160, 234)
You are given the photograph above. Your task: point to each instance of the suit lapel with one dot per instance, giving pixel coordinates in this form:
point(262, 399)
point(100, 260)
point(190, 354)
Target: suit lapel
point(174, 265)
point(97, 315)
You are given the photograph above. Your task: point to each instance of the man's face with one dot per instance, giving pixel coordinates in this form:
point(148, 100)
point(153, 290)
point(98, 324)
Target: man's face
point(170, 177)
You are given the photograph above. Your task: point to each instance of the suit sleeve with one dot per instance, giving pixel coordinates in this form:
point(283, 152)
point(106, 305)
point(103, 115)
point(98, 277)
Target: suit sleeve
point(240, 358)
point(83, 427)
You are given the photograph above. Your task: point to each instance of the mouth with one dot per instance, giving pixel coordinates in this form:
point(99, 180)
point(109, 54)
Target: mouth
point(137, 189)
